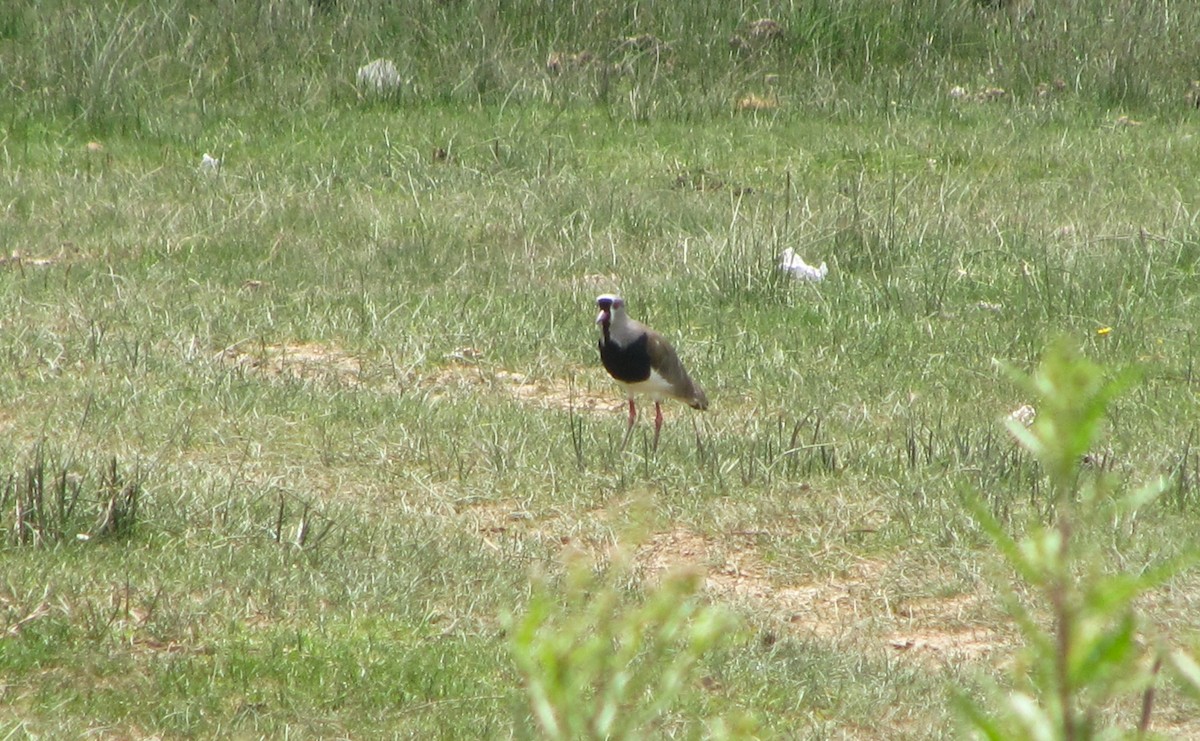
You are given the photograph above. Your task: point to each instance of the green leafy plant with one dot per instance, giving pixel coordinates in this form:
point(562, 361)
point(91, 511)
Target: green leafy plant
point(598, 666)
point(1086, 644)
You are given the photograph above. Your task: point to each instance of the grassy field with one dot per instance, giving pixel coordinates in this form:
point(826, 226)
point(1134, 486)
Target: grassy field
point(292, 445)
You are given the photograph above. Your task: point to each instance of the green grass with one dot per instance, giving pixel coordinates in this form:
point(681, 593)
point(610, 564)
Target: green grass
point(148, 311)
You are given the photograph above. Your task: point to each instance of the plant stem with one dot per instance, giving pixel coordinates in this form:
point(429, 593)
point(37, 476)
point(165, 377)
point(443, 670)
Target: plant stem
point(1064, 619)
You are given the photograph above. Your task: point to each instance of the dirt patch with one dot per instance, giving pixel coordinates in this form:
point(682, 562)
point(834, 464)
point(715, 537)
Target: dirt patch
point(547, 393)
point(507, 527)
point(556, 394)
point(465, 373)
point(498, 524)
point(852, 605)
point(304, 361)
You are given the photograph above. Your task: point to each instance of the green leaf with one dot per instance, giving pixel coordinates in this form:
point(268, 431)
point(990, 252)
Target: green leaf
point(1025, 438)
point(1111, 593)
point(1033, 717)
point(1144, 495)
point(1187, 670)
point(1098, 657)
point(977, 720)
point(1008, 547)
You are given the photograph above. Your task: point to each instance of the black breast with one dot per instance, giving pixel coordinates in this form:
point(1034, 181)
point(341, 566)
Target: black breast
point(630, 363)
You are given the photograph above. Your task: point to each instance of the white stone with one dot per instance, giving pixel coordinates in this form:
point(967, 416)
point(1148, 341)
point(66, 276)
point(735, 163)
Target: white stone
point(379, 77)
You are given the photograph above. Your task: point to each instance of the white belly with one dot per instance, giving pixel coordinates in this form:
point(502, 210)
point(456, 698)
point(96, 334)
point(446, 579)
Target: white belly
point(656, 387)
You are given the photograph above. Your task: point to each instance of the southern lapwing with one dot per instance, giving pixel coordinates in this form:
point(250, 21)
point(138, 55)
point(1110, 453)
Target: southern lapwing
point(643, 362)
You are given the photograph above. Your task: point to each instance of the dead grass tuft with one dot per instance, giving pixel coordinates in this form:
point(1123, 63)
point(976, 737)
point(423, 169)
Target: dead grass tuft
point(597, 283)
point(561, 61)
point(705, 182)
point(753, 103)
point(764, 29)
point(646, 43)
point(985, 95)
point(756, 36)
point(19, 261)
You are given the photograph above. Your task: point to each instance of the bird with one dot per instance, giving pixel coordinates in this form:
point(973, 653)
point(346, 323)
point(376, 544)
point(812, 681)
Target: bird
point(643, 362)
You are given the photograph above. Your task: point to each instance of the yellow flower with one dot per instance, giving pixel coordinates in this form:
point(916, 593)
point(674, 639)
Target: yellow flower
point(1103, 331)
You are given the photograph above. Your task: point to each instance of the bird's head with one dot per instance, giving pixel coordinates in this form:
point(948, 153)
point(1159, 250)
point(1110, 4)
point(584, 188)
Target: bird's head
point(609, 306)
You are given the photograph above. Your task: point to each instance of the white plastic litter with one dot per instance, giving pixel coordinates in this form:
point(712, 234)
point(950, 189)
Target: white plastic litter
point(209, 163)
point(379, 77)
point(792, 263)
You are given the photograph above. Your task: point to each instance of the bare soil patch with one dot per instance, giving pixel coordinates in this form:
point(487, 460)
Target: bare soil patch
point(303, 361)
point(557, 394)
point(861, 605)
point(545, 392)
point(857, 605)
point(465, 373)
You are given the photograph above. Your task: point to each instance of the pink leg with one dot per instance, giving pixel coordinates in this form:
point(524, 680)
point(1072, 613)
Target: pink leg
point(658, 420)
point(629, 427)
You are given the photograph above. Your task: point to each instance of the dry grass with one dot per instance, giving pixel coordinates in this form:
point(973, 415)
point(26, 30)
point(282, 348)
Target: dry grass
point(752, 102)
